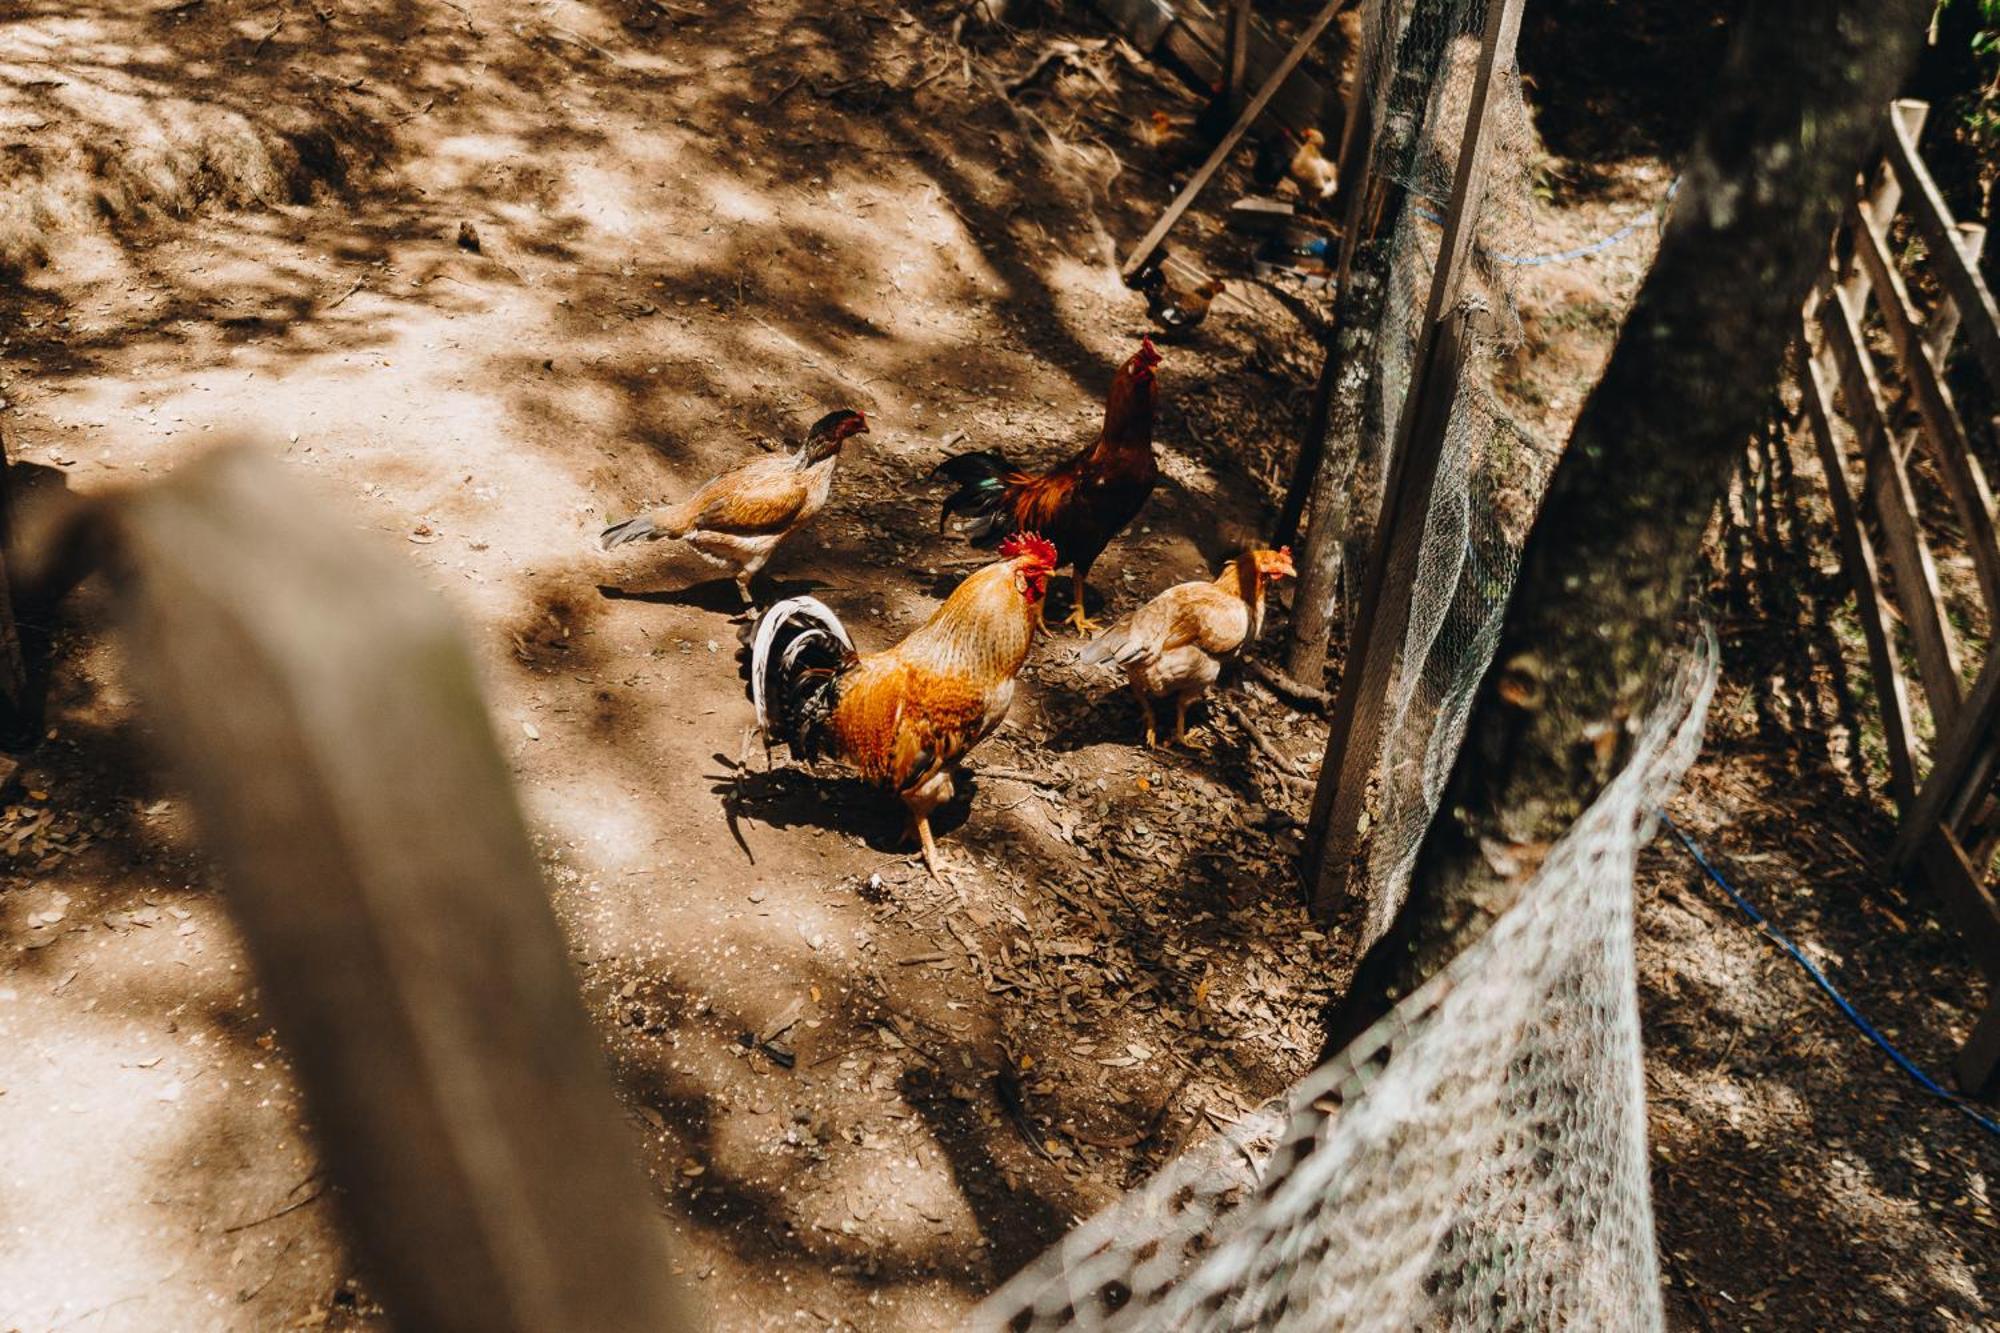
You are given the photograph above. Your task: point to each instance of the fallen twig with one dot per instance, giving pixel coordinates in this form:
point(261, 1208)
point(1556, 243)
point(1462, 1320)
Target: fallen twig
point(806, 355)
point(292, 1207)
point(1287, 769)
point(1146, 1130)
point(258, 49)
point(1295, 690)
point(1068, 54)
point(1003, 774)
point(1008, 1089)
point(359, 283)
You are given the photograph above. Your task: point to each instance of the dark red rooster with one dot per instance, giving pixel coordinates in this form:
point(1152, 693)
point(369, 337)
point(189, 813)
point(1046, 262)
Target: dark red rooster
point(1081, 505)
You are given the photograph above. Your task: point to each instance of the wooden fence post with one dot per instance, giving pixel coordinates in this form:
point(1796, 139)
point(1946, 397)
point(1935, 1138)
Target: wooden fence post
point(324, 715)
point(1236, 55)
point(1382, 619)
point(1944, 324)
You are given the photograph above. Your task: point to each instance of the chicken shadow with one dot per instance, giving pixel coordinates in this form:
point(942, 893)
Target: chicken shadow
point(786, 796)
point(1016, 1220)
point(717, 595)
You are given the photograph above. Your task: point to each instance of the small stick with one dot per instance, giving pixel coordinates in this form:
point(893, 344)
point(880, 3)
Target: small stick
point(1296, 690)
point(1003, 774)
point(1263, 743)
point(258, 49)
point(292, 1207)
point(358, 284)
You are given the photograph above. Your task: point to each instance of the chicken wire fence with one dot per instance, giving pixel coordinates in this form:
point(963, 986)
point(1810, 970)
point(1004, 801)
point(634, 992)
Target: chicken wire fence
point(1423, 56)
point(1475, 1160)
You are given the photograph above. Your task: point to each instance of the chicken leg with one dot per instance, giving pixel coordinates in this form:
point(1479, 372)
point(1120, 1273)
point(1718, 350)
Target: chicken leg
point(921, 799)
point(1085, 626)
point(1180, 719)
point(929, 848)
point(1146, 710)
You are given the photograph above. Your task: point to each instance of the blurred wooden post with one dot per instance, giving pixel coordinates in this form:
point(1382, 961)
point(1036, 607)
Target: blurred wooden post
point(326, 719)
point(1150, 244)
point(1236, 55)
point(14, 709)
point(1383, 610)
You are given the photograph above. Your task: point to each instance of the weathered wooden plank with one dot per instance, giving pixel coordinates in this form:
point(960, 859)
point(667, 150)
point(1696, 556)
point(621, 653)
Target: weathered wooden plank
point(1144, 23)
point(1960, 278)
point(1144, 251)
point(1857, 558)
point(1236, 52)
point(1302, 101)
point(325, 716)
point(1918, 597)
point(1885, 192)
point(1978, 1065)
point(1961, 891)
point(1943, 330)
point(1944, 434)
point(1958, 753)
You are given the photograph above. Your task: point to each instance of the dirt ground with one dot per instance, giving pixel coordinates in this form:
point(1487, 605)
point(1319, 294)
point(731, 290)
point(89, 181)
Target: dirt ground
point(862, 1097)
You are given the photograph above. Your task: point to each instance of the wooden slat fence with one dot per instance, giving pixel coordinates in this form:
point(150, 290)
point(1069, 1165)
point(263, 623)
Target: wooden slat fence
point(1948, 831)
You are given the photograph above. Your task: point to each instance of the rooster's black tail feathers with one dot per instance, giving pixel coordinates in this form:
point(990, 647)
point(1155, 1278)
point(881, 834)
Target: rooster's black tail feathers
point(981, 497)
point(798, 652)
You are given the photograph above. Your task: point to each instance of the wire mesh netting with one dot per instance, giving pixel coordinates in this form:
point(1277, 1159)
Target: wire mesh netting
point(1490, 477)
point(1475, 1160)
point(1478, 1159)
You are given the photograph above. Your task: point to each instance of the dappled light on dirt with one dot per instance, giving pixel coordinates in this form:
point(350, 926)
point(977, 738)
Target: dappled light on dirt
point(492, 276)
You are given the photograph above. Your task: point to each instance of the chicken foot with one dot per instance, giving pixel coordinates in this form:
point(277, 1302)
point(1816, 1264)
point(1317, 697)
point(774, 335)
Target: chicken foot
point(1085, 626)
point(1146, 710)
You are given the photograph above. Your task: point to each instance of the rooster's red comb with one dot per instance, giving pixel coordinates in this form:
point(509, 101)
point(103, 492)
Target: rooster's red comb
point(1148, 355)
point(1031, 544)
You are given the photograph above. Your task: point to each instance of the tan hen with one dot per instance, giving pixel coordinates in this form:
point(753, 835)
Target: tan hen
point(1174, 646)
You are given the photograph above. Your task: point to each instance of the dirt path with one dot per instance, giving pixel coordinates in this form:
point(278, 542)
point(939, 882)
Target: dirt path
point(864, 1097)
point(676, 264)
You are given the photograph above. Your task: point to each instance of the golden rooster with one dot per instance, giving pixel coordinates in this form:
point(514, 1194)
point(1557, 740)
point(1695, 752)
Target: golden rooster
point(1175, 645)
point(906, 716)
point(739, 519)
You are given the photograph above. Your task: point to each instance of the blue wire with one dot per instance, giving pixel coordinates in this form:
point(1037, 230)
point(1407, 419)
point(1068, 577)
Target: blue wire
point(1925, 1081)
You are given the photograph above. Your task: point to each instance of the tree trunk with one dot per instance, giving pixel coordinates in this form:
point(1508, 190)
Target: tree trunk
point(1337, 410)
point(1605, 572)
